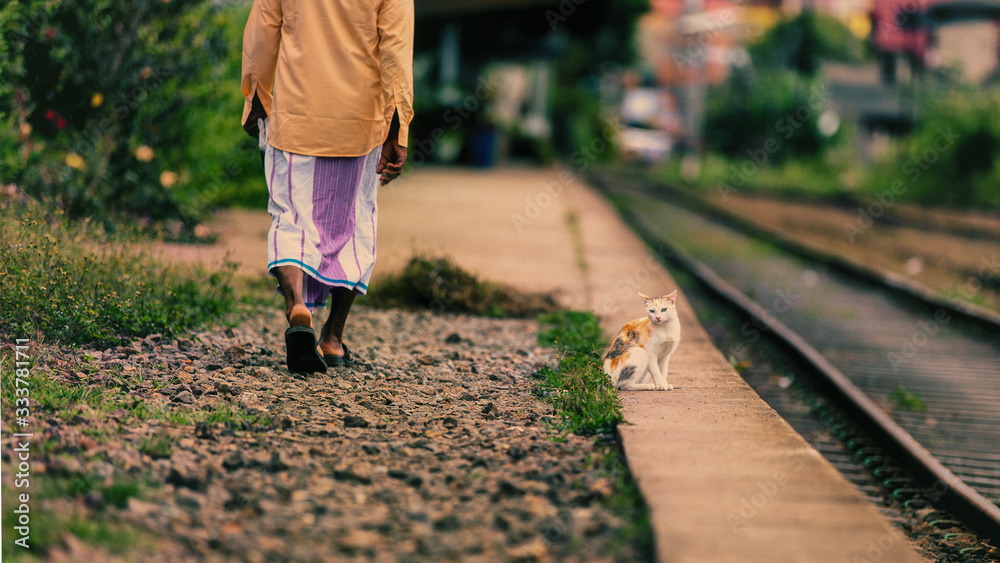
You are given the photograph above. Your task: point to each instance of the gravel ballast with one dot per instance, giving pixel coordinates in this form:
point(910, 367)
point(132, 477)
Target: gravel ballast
point(434, 447)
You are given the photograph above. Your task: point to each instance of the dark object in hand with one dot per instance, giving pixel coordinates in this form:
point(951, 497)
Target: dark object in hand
point(256, 112)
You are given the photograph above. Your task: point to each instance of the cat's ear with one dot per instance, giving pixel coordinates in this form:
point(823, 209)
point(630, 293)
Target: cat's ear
point(645, 297)
point(672, 298)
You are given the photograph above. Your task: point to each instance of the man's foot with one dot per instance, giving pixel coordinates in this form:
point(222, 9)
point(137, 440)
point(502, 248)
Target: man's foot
point(345, 359)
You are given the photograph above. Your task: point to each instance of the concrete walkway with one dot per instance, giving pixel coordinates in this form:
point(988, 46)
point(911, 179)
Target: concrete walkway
point(725, 477)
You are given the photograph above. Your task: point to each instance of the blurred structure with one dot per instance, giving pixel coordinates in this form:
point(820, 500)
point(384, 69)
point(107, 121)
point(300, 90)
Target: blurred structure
point(650, 121)
point(482, 69)
point(690, 45)
point(957, 38)
point(687, 45)
point(503, 78)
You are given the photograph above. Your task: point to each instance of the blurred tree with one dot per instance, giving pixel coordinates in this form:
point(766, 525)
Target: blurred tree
point(803, 42)
point(766, 118)
point(601, 38)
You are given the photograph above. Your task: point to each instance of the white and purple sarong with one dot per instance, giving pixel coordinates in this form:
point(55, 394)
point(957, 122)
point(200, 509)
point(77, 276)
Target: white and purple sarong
point(323, 219)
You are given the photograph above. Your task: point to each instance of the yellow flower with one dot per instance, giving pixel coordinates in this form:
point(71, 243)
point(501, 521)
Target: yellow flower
point(144, 153)
point(168, 178)
point(97, 99)
point(75, 161)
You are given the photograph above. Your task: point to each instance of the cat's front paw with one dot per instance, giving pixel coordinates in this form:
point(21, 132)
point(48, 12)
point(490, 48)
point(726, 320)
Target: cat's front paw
point(664, 387)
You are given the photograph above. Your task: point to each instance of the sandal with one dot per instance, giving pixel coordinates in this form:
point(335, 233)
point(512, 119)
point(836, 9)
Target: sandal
point(346, 360)
point(301, 351)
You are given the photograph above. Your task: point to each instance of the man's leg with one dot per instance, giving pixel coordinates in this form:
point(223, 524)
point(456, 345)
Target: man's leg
point(290, 280)
point(332, 336)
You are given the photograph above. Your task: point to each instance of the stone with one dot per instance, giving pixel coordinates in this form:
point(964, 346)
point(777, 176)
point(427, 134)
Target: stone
point(184, 397)
point(352, 421)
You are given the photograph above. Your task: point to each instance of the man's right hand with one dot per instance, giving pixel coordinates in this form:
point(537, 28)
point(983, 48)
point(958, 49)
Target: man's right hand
point(390, 165)
point(256, 112)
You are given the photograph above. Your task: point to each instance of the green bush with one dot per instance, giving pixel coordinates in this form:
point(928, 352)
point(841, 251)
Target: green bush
point(951, 158)
point(73, 284)
point(767, 119)
point(219, 163)
point(774, 113)
point(105, 106)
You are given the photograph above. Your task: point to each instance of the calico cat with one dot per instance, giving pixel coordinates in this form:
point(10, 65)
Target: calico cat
point(639, 356)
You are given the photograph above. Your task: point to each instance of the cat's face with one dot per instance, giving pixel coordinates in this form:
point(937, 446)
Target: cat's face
point(660, 309)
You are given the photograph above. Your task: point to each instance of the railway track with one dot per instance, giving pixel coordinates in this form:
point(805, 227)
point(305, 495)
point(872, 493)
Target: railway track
point(921, 377)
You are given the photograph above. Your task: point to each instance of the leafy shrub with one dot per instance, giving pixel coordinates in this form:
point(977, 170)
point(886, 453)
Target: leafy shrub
point(103, 100)
point(74, 284)
point(767, 118)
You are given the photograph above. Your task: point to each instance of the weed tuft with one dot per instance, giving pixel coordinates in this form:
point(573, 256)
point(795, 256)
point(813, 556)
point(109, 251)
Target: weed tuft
point(74, 284)
point(440, 285)
point(577, 387)
point(907, 400)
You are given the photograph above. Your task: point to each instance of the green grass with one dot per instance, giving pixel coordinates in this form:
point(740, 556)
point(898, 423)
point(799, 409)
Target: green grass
point(577, 387)
point(588, 405)
point(49, 523)
point(907, 400)
point(55, 398)
point(819, 177)
point(73, 284)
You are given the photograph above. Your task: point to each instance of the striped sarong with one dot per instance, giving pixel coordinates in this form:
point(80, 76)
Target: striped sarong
point(323, 219)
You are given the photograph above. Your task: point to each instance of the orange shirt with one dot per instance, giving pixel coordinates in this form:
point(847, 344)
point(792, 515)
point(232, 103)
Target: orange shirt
point(338, 70)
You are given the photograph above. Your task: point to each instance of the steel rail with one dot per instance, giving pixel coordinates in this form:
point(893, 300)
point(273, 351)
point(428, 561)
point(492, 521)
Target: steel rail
point(949, 491)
